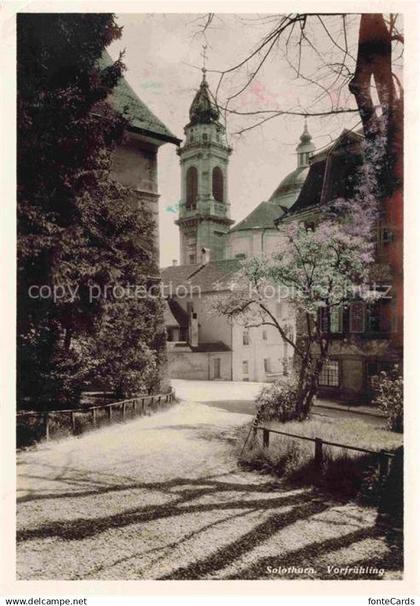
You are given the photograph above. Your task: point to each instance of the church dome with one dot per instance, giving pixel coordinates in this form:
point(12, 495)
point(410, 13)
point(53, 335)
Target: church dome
point(288, 190)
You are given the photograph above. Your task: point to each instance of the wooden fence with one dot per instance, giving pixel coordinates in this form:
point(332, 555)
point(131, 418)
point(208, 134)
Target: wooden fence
point(384, 457)
point(34, 426)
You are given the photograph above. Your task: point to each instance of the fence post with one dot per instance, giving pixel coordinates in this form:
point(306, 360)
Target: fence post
point(110, 413)
point(94, 417)
point(123, 411)
point(266, 438)
point(318, 452)
point(47, 426)
point(73, 423)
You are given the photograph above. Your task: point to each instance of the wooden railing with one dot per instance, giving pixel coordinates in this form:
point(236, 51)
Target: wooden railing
point(33, 426)
point(383, 456)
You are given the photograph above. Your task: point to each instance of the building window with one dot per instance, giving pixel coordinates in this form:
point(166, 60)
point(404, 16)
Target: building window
point(323, 319)
point(218, 184)
point(330, 319)
point(383, 234)
point(192, 187)
point(205, 137)
point(245, 337)
point(264, 335)
point(357, 317)
point(267, 365)
point(279, 310)
point(245, 367)
point(379, 317)
point(330, 375)
point(192, 259)
point(240, 256)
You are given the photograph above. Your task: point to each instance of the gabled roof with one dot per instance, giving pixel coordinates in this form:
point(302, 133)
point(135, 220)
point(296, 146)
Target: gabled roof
point(125, 101)
point(178, 313)
point(216, 275)
point(213, 276)
point(178, 274)
point(168, 317)
point(263, 215)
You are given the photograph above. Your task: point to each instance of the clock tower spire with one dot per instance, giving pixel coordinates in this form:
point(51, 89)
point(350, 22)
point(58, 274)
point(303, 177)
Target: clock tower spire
point(204, 214)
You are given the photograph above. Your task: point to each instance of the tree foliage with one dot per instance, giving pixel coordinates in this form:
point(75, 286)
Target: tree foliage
point(324, 267)
point(389, 397)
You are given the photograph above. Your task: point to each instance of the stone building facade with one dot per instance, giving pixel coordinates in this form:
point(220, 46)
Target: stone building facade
point(135, 160)
point(365, 336)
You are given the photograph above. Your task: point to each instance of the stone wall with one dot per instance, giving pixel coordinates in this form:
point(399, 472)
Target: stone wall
point(199, 365)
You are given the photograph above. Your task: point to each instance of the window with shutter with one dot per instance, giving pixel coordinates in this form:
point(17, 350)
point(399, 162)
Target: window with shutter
point(336, 320)
point(323, 319)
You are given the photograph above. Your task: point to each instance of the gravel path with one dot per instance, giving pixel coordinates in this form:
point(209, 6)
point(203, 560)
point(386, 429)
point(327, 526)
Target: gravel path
point(162, 498)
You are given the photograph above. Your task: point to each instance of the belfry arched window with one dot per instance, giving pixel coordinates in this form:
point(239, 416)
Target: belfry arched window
point(218, 184)
point(192, 187)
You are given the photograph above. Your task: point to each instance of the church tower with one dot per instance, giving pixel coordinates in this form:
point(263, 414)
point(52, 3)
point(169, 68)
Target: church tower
point(204, 213)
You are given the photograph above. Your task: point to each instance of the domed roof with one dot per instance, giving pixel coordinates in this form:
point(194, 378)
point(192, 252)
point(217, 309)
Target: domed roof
point(291, 184)
point(203, 110)
point(287, 192)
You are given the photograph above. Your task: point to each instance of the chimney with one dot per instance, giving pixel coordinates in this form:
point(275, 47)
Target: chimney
point(194, 330)
point(174, 262)
point(205, 256)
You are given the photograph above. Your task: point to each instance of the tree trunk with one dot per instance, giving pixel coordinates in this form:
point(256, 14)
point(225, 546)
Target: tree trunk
point(308, 385)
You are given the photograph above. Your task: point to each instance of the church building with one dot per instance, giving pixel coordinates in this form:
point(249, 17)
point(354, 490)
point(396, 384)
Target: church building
point(202, 345)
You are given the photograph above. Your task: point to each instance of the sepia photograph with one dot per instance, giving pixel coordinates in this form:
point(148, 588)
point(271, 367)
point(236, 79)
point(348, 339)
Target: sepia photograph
point(209, 279)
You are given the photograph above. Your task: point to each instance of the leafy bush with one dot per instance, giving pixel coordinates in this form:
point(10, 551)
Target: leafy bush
point(389, 395)
point(342, 475)
point(277, 402)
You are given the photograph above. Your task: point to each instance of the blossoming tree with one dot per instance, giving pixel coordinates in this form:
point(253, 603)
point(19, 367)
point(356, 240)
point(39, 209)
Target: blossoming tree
point(325, 266)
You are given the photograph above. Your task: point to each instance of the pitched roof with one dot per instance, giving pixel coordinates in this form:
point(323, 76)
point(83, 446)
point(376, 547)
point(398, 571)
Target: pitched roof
point(179, 314)
point(263, 215)
point(215, 275)
point(125, 101)
point(168, 317)
point(177, 274)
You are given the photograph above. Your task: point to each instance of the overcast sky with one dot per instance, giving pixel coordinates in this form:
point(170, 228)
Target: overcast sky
point(163, 59)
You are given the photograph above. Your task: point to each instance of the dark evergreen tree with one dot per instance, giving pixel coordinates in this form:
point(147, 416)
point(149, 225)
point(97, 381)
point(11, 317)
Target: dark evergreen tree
point(76, 227)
